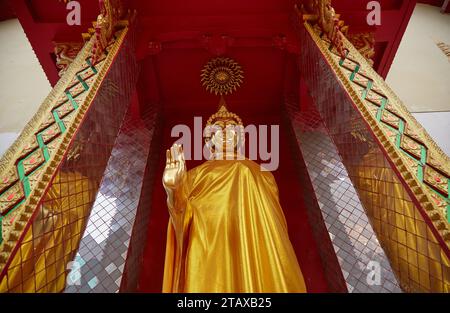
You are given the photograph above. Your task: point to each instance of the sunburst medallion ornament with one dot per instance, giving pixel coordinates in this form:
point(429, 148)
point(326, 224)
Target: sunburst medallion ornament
point(222, 76)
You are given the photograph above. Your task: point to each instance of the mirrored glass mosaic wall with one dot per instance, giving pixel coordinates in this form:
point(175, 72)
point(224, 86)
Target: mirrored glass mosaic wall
point(333, 274)
point(417, 255)
point(362, 260)
point(112, 243)
point(40, 260)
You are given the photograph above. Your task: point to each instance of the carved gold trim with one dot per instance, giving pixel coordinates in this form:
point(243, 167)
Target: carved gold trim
point(422, 194)
point(445, 48)
point(7, 162)
point(65, 53)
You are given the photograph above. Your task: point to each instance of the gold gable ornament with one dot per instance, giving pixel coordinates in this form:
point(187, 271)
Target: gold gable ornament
point(222, 76)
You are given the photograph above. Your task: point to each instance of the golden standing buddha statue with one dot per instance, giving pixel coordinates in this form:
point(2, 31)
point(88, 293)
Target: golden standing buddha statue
point(227, 231)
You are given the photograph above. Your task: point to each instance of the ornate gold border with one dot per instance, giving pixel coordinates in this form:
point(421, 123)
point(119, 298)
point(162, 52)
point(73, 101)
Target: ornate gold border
point(422, 195)
point(231, 67)
point(50, 167)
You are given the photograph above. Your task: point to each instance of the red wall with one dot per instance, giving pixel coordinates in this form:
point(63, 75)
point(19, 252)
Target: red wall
point(6, 12)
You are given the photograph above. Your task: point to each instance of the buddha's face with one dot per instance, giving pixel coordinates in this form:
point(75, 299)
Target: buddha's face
point(224, 137)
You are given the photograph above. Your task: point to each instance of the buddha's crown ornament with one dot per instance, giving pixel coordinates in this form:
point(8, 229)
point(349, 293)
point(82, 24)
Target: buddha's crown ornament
point(223, 116)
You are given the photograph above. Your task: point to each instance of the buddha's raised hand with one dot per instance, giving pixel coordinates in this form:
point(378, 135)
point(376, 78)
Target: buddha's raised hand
point(175, 167)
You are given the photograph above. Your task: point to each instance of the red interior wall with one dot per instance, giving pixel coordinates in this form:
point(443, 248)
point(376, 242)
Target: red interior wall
point(291, 201)
point(6, 12)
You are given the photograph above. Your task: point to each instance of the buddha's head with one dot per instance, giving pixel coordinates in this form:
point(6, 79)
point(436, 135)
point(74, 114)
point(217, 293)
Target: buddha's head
point(224, 131)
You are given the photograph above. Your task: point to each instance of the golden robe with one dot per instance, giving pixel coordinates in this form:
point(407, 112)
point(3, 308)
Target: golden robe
point(234, 233)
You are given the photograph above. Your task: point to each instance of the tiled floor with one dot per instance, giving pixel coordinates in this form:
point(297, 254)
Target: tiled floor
point(355, 243)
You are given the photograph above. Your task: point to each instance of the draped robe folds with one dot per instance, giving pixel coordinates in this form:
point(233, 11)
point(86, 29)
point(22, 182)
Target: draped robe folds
point(232, 236)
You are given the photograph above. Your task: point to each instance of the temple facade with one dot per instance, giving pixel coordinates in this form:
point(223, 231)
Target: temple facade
point(364, 188)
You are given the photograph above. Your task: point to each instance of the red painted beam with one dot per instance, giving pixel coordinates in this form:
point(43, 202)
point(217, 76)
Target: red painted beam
point(392, 47)
point(42, 32)
point(395, 15)
point(44, 23)
point(40, 39)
